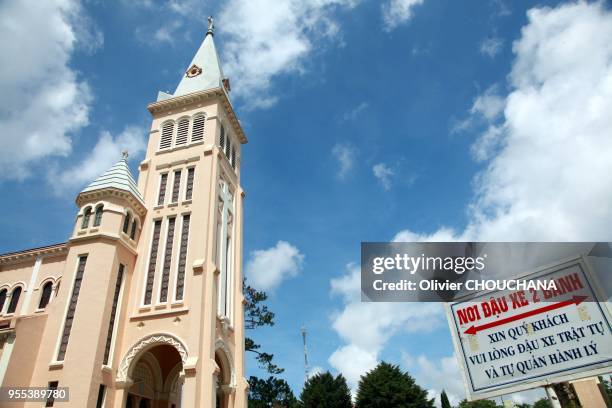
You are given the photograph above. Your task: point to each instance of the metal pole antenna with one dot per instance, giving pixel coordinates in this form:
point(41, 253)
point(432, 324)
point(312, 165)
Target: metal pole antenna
point(306, 369)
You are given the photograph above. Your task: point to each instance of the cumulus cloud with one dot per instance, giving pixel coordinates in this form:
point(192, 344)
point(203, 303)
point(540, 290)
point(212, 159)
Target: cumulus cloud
point(436, 375)
point(548, 145)
point(267, 268)
point(44, 102)
point(397, 12)
point(384, 174)
point(366, 328)
point(491, 46)
point(264, 39)
point(105, 153)
point(345, 154)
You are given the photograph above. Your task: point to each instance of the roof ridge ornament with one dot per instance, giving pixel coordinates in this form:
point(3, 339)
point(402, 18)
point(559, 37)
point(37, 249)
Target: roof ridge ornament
point(211, 25)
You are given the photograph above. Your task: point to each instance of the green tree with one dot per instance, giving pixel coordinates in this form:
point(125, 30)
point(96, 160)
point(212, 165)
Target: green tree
point(478, 404)
point(444, 402)
point(542, 403)
point(270, 393)
point(607, 386)
point(325, 391)
point(386, 386)
point(257, 314)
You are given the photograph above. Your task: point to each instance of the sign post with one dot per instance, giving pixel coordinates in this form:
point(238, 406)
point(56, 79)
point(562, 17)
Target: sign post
point(516, 340)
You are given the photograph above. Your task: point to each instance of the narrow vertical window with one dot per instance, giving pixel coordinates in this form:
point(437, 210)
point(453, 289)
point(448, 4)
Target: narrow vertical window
point(228, 148)
point(12, 307)
point(86, 217)
point(111, 323)
point(166, 135)
point(189, 186)
point(98, 216)
point(163, 294)
point(233, 159)
point(152, 263)
point(3, 294)
point(182, 259)
point(126, 222)
point(197, 134)
point(45, 295)
point(101, 394)
point(182, 132)
point(176, 186)
point(162, 189)
point(222, 139)
point(50, 399)
point(133, 230)
point(72, 304)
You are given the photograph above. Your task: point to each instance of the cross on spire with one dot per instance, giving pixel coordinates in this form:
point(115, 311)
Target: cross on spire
point(211, 25)
point(125, 154)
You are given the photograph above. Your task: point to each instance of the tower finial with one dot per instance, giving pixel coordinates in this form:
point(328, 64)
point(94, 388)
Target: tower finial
point(211, 25)
point(124, 154)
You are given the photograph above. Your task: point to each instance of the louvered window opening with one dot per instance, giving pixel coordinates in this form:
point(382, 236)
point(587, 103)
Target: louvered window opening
point(182, 259)
point(78, 280)
point(3, 294)
point(189, 186)
point(152, 263)
point(163, 294)
point(228, 148)
point(86, 217)
point(233, 160)
point(162, 189)
point(182, 132)
point(133, 230)
point(176, 186)
point(12, 307)
point(98, 216)
point(166, 136)
point(113, 314)
point(222, 139)
point(197, 134)
point(45, 296)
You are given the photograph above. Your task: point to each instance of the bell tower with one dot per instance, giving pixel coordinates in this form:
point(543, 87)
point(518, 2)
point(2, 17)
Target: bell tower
point(181, 341)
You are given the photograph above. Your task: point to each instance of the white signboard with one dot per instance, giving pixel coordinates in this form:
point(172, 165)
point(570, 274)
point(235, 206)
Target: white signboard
point(514, 340)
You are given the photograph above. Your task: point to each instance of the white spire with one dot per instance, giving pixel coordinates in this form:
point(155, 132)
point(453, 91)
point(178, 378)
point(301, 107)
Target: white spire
point(204, 72)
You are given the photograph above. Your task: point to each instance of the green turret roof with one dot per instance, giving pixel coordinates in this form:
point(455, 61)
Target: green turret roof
point(118, 177)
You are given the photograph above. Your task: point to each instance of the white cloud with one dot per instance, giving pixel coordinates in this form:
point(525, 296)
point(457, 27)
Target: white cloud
point(267, 38)
point(267, 268)
point(396, 12)
point(105, 153)
point(491, 46)
point(345, 154)
point(549, 152)
point(315, 370)
point(355, 112)
point(384, 174)
point(367, 327)
point(436, 375)
point(43, 101)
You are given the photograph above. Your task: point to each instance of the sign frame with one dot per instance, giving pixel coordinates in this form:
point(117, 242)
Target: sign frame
point(570, 375)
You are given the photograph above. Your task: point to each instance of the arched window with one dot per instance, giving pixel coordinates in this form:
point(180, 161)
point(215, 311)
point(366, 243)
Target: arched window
point(14, 300)
point(182, 131)
point(45, 295)
point(126, 222)
point(86, 217)
point(166, 136)
point(134, 227)
point(98, 215)
point(197, 134)
point(3, 293)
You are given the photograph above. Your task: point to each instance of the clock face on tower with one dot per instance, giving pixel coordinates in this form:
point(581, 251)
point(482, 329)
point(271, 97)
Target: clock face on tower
point(193, 71)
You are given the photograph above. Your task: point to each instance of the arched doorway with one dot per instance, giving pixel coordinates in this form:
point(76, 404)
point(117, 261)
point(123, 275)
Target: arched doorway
point(156, 378)
point(224, 378)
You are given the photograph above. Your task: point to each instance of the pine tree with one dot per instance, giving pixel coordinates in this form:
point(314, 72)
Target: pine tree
point(444, 402)
point(325, 391)
point(270, 393)
point(386, 386)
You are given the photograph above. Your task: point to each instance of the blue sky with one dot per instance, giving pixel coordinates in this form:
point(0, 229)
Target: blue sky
point(367, 121)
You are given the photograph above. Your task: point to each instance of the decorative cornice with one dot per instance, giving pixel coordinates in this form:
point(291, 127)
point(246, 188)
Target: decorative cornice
point(31, 254)
point(201, 96)
point(95, 195)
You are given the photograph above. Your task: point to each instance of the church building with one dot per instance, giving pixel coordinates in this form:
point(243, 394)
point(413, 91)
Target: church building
point(142, 306)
